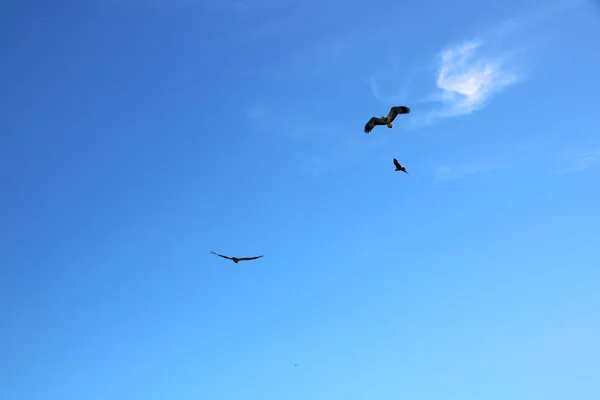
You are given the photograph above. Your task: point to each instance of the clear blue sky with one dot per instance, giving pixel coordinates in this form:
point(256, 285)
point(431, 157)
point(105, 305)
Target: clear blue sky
point(136, 136)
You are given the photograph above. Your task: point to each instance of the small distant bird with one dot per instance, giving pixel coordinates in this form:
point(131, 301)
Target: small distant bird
point(394, 111)
point(399, 167)
point(235, 259)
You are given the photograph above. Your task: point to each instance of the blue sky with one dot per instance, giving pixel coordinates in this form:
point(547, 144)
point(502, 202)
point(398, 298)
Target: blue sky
point(137, 136)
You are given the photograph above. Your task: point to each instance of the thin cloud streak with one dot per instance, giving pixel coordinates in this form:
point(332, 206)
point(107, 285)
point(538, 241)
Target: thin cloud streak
point(582, 161)
point(256, 112)
point(347, 150)
point(290, 127)
point(341, 148)
point(447, 173)
point(226, 6)
point(550, 10)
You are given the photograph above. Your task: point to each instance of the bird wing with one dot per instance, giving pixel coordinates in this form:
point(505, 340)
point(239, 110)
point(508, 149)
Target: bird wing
point(396, 163)
point(394, 111)
point(249, 258)
point(220, 255)
point(373, 122)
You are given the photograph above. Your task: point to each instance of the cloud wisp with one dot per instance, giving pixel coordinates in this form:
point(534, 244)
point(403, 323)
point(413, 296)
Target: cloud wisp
point(582, 161)
point(256, 112)
point(523, 156)
point(466, 81)
point(469, 74)
point(447, 173)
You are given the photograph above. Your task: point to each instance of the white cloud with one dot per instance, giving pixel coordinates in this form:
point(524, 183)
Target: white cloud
point(467, 81)
point(466, 78)
point(468, 75)
point(582, 161)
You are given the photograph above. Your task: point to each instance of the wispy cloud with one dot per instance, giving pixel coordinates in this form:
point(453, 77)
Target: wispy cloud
point(334, 146)
point(322, 146)
point(316, 56)
point(241, 5)
point(533, 17)
point(467, 75)
point(337, 155)
point(320, 57)
point(293, 128)
point(467, 81)
point(256, 112)
point(447, 172)
point(218, 6)
point(523, 156)
point(582, 161)
point(314, 165)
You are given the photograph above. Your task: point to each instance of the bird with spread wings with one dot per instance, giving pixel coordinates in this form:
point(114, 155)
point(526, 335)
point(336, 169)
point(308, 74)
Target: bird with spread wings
point(399, 167)
point(386, 120)
point(236, 259)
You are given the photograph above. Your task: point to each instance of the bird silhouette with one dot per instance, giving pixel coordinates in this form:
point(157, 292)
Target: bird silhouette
point(386, 120)
point(236, 259)
point(399, 167)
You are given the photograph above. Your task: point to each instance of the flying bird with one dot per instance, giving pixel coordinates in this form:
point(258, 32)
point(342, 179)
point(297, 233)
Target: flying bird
point(386, 120)
point(235, 259)
point(399, 167)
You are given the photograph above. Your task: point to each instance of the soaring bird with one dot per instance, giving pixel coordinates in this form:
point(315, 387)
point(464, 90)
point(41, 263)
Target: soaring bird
point(394, 111)
point(235, 259)
point(399, 167)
